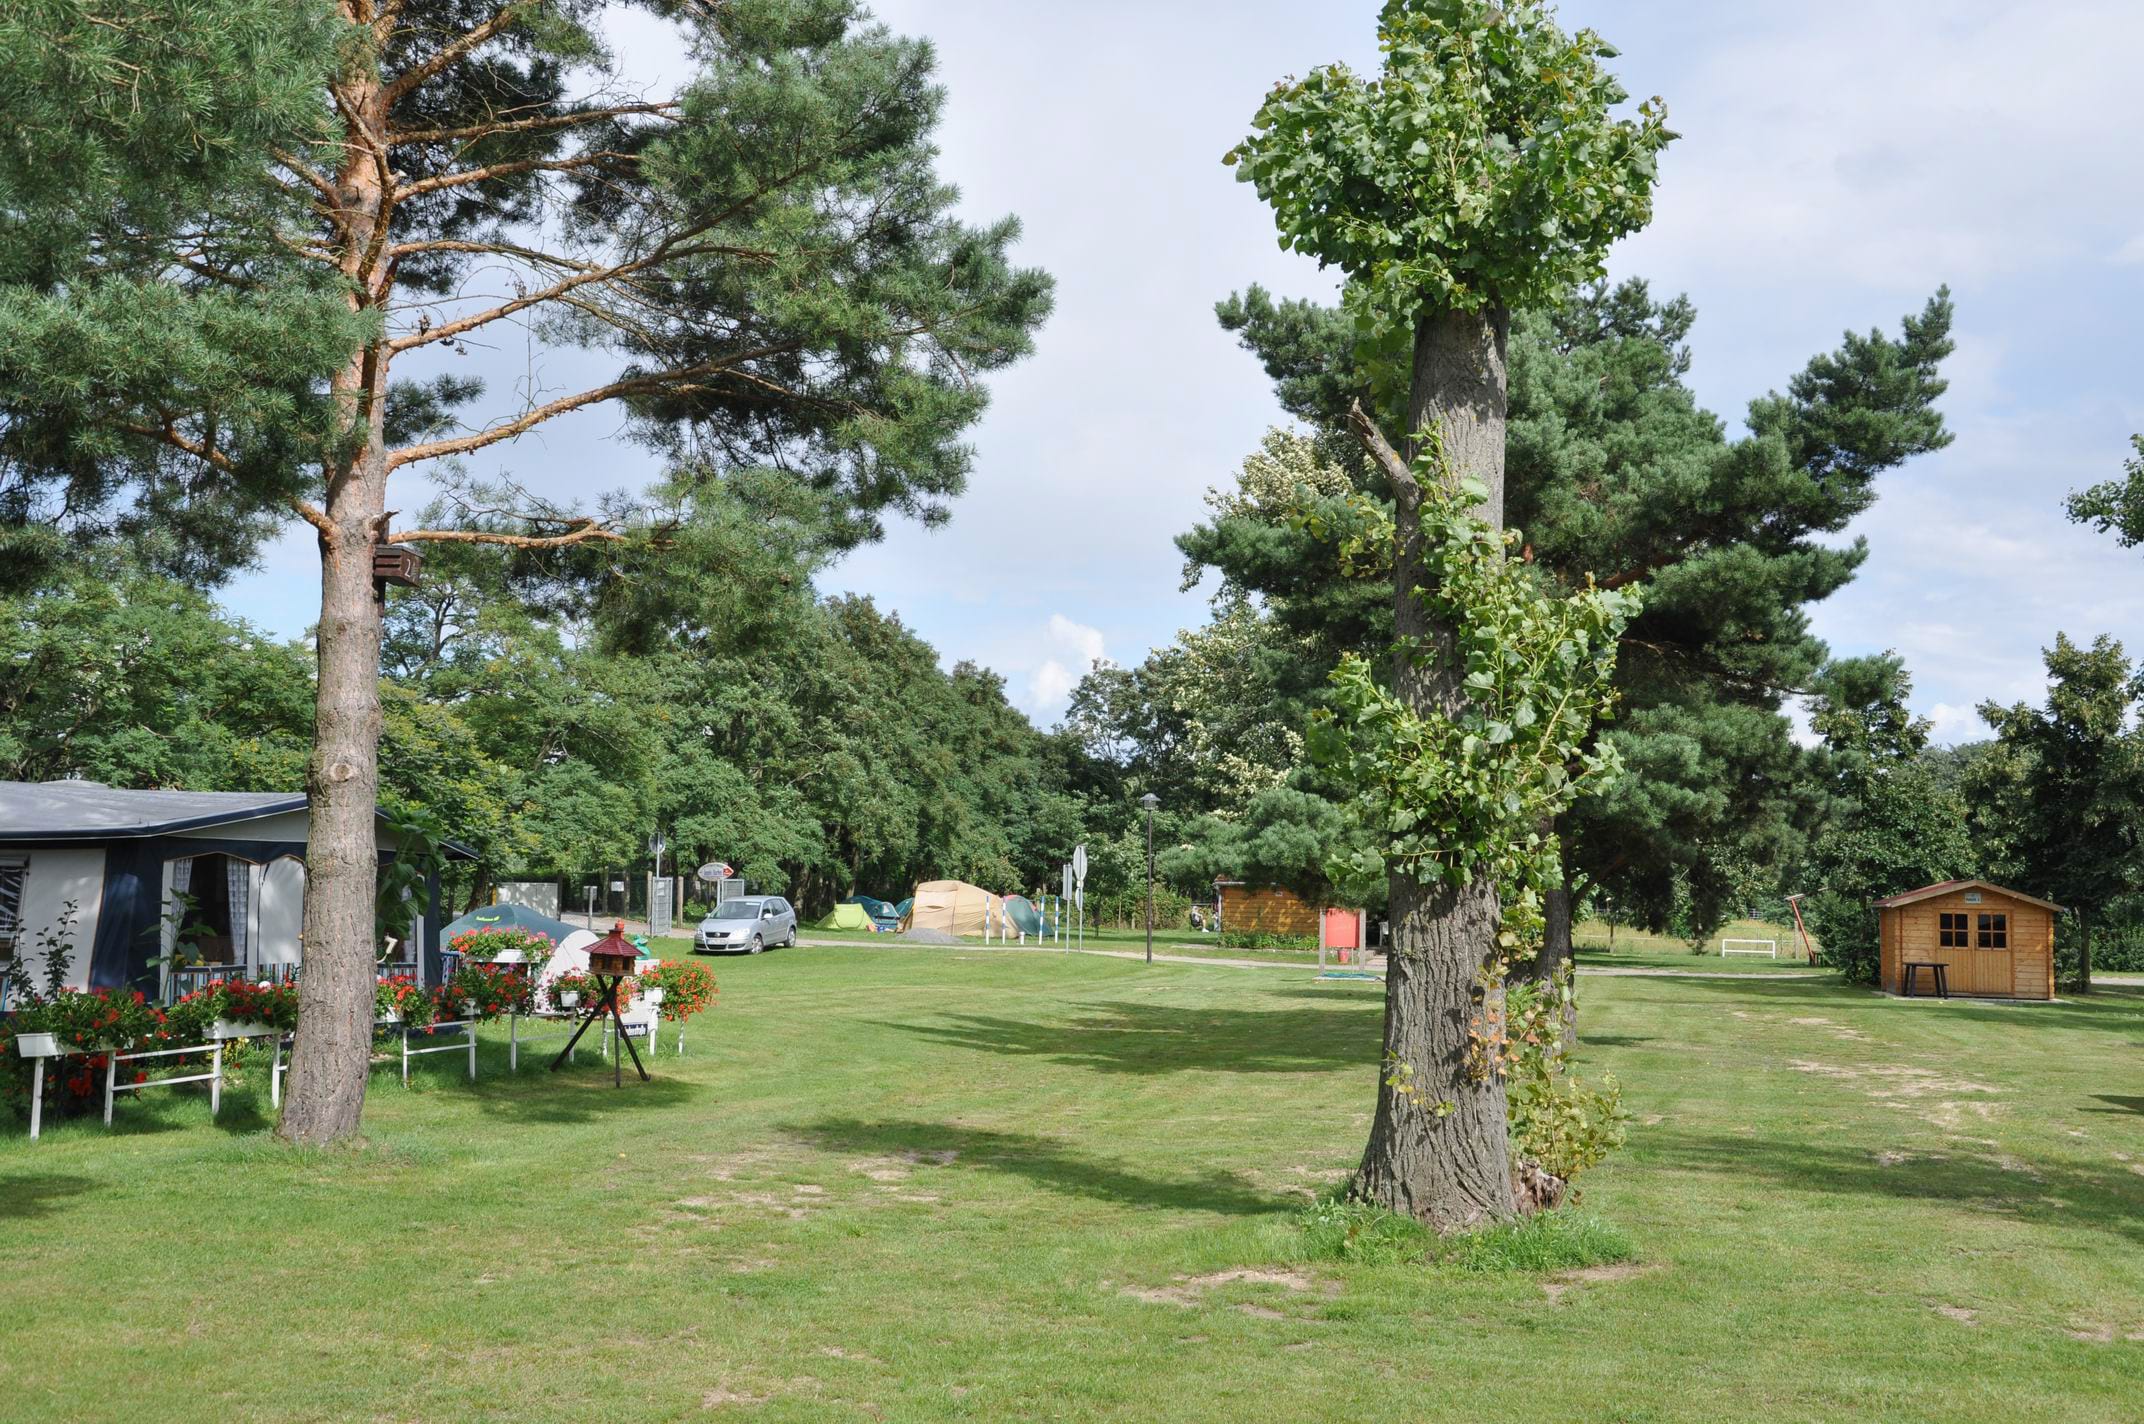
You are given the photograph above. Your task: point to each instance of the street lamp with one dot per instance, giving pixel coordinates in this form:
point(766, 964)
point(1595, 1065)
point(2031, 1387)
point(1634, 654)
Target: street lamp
point(1150, 801)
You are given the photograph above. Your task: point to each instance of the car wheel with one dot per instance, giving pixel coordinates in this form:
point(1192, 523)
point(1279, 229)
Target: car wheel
point(791, 942)
point(755, 946)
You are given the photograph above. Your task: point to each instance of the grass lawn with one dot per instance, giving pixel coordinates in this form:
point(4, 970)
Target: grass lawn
point(912, 1184)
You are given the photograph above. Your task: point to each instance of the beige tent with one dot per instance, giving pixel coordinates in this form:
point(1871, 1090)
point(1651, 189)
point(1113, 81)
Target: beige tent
point(953, 906)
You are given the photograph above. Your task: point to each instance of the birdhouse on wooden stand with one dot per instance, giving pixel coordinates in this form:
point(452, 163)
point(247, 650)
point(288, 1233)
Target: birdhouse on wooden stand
point(613, 954)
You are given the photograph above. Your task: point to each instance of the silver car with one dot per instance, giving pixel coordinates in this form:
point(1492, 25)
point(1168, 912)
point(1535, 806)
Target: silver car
point(749, 923)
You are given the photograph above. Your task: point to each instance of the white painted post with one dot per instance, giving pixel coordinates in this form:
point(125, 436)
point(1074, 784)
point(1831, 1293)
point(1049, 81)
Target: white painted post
point(215, 1084)
point(513, 1042)
point(275, 1075)
point(111, 1076)
point(37, 1097)
point(471, 1031)
point(405, 1055)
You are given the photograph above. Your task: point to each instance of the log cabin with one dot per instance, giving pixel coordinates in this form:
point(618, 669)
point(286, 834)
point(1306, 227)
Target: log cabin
point(1994, 943)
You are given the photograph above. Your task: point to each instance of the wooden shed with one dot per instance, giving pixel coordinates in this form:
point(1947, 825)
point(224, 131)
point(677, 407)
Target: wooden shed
point(1996, 943)
point(1264, 909)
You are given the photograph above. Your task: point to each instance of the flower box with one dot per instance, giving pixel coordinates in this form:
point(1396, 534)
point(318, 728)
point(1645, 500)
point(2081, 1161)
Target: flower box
point(38, 1045)
point(569, 999)
point(232, 1028)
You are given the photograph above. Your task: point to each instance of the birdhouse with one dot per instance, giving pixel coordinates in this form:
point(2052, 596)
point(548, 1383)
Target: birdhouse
point(613, 954)
point(396, 563)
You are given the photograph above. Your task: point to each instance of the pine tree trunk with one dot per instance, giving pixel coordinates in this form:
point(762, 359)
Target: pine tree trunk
point(1439, 1148)
point(326, 1096)
point(1554, 958)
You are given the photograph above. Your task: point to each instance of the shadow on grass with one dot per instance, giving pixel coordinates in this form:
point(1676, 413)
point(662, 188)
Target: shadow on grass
point(2050, 1195)
point(1160, 1038)
point(27, 1194)
point(1048, 1163)
point(2105, 1008)
point(2120, 1104)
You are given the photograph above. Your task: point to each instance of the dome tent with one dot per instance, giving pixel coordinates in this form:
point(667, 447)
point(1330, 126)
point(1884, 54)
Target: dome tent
point(846, 916)
point(952, 907)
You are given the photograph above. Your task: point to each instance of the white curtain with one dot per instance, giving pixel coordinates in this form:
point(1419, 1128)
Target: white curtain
point(240, 880)
point(279, 912)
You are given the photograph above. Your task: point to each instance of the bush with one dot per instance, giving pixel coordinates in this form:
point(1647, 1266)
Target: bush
point(1256, 939)
point(1564, 1126)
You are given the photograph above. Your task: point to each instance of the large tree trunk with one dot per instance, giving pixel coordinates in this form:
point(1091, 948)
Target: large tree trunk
point(1439, 1148)
point(333, 1052)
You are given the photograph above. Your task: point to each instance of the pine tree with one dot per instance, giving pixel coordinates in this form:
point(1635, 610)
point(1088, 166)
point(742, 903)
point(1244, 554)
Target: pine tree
point(1613, 471)
point(767, 258)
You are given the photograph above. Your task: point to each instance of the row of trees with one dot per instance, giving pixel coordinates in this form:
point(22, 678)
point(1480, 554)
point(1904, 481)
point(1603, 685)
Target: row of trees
point(818, 747)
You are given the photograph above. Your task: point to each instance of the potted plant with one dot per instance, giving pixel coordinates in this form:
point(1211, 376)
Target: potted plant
point(100, 1019)
point(250, 1010)
point(681, 989)
point(400, 999)
point(503, 944)
point(32, 1031)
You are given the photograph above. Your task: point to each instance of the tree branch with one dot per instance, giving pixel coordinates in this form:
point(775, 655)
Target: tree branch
point(453, 51)
point(537, 415)
point(466, 176)
point(546, 121)
point(1380, 450)
point(580, 531)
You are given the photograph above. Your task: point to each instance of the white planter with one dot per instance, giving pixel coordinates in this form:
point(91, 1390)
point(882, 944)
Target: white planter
point(570, 999)
point(651, 996)
point(37, 1045)
point(231, 1028)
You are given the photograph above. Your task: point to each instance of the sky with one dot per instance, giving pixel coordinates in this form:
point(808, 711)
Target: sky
point(1838, 161)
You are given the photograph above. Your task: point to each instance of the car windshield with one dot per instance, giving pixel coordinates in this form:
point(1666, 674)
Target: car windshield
point(736, 910)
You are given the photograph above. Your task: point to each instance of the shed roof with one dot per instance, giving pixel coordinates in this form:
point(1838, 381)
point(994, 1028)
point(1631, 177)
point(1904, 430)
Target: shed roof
point(1945, 887)
point(42, 812)
point(90, 811)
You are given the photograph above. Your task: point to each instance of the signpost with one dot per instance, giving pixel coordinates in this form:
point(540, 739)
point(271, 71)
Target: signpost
point(659, 910)
point(1062, 901)
point(1079, 890)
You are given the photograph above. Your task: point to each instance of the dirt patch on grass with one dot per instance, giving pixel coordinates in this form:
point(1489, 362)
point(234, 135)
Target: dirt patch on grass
point(1958, 1313)
point(897, 1166)
point(1561, 1284)
point(1185, 1291)
point(1909, 1089)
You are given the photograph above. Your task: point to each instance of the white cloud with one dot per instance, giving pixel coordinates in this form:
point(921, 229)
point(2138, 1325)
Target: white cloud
point(1954, 724)
point(2130, 253)
point(1075, 649)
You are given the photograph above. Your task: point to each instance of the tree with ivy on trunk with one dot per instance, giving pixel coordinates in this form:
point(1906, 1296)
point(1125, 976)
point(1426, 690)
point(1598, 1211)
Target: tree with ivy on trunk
point(766, 258)
point(1484, 169)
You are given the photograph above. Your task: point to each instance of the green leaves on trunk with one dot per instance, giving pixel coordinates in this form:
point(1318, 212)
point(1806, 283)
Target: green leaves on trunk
point(1464, 790)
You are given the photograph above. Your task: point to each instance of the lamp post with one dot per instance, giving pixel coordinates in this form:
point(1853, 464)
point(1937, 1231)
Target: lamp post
point(1150, 801)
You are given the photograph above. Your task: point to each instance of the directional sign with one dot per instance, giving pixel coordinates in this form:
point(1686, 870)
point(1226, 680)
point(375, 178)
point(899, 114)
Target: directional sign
point(656, 845)
point(1068, 882)
point(1079, 864)
point(713, 871)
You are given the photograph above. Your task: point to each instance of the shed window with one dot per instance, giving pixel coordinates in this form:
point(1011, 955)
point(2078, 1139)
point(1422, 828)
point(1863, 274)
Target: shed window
point(1994, 931)
point(14, 874)
point(1952, 931)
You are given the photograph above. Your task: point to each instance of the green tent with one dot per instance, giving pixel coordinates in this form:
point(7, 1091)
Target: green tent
point(846, 917)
